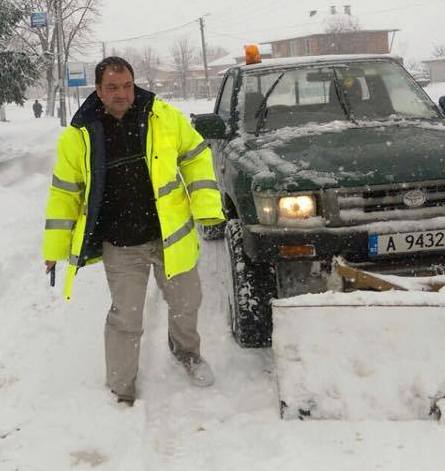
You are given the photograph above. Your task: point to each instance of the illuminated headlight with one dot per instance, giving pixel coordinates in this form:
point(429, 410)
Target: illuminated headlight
point(285, 210)
point(297, 207)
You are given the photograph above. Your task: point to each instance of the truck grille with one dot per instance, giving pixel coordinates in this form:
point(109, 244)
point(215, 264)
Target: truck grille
point(350, 206)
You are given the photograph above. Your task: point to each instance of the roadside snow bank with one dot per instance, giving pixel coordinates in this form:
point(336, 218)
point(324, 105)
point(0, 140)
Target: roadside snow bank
point(365, 298)
point(360, 355)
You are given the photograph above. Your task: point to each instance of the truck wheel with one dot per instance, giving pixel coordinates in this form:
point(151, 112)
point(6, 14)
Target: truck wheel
point(251, 287)
point(212, 232)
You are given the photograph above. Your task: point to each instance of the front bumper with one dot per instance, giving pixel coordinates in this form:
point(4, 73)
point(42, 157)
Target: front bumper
point(262, 243)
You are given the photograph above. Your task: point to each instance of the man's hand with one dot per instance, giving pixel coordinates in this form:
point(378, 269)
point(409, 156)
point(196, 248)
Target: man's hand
point(209, 221)
point(49, 265)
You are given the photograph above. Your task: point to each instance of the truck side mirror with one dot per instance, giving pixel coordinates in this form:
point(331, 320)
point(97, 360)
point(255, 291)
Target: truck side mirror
point(209, 125)
point(442, 104)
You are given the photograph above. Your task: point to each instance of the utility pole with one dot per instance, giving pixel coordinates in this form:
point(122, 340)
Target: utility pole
point(204, 56)
point(104, 50)
point(60, 61)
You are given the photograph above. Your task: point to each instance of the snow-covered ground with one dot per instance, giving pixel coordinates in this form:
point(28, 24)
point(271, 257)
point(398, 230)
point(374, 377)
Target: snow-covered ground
point(55, 412)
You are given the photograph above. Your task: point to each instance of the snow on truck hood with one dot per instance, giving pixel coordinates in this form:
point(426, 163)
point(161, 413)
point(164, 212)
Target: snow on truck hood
point(342, 153)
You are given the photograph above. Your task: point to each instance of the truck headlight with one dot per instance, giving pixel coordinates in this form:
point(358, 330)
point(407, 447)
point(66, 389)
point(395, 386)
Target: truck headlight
point(297, 207)
point(266, 208)
point(273, 209)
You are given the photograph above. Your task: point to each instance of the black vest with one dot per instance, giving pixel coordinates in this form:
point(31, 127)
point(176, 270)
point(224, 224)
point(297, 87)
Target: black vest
point(128, 213)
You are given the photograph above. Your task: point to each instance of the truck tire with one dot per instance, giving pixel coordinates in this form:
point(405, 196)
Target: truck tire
point(251, 287)
point(212, 232)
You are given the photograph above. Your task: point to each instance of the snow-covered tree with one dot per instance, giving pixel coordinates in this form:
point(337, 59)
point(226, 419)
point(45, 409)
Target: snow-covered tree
point(18, 70)
point(337, 26)
point(9, 17)
point(341, 23)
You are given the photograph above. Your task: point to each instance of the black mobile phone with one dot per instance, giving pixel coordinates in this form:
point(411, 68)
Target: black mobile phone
point(52, 276)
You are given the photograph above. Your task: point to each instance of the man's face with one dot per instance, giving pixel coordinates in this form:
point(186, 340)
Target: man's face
point(116, 91)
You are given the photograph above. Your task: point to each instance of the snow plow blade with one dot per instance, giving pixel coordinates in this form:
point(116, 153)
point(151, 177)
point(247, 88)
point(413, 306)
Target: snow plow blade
point(360, 356)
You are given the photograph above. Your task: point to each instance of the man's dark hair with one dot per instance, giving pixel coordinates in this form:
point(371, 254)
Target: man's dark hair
point(116, 63)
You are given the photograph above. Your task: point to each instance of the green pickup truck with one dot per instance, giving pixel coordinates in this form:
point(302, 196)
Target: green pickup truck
point(319, 157)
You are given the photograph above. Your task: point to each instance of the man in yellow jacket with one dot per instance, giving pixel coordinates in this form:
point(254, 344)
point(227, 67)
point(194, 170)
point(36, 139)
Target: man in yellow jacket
point(131, 179)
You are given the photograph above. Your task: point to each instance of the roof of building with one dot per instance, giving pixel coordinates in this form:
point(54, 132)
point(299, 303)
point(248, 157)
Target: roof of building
point(321, 21)
point(435, 59)
point(224, 61)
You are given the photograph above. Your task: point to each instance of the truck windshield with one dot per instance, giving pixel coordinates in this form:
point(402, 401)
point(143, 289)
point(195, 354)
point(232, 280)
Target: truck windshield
point(358, 91)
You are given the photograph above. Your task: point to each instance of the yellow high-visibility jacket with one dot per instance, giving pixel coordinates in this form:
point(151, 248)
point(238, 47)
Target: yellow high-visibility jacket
point(181, 171)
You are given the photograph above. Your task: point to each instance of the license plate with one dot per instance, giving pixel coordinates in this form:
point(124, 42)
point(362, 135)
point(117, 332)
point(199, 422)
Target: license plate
point(406, 242)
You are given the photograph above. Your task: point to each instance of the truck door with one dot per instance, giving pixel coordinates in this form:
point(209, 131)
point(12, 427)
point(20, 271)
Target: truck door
point(224, 108)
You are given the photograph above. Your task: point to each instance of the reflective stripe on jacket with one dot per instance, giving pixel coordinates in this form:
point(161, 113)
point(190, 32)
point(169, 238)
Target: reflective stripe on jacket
point(184, 185)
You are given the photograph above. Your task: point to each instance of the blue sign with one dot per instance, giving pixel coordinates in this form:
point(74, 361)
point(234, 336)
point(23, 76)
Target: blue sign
point(76, 75)
point(39, 20)
point(373, 245)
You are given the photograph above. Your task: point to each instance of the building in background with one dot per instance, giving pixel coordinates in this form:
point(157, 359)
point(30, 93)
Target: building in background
point(334, 31)
point(436, 69)
point(421, 75)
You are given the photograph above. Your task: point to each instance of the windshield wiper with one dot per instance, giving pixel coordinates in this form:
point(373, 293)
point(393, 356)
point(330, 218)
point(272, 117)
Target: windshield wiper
point(261, 112)
point(342, 98)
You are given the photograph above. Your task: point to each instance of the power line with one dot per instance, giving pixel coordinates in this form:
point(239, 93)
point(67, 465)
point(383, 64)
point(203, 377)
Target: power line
point(251, 8)
point(153, 35)
point(226, 35)
point(144, 36)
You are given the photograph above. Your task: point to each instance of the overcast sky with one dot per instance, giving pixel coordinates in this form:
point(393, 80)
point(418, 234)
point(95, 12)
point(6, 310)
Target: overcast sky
point(232, 23)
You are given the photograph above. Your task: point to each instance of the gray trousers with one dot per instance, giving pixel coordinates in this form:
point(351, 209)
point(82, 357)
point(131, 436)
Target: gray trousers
point(127, 270)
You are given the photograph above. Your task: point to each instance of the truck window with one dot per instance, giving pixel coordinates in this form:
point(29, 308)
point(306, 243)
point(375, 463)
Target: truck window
point(405, 94)
point(373, 90)
point(225, 103)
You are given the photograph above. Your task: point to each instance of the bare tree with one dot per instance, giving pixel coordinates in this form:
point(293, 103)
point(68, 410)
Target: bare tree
point(183, 55)
point(342, 24)
point(149, 65)
point(145, 63)
point(439, 50)
point(130, 54)
point(337, 27)
point(77, 18)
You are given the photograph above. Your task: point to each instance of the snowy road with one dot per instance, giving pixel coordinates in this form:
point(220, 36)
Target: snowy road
point(56, 414)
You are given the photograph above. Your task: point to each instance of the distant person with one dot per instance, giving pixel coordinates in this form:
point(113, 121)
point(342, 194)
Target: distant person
point(131, 179)
point(2, 113)
point(37, 108)
point(442, 103)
